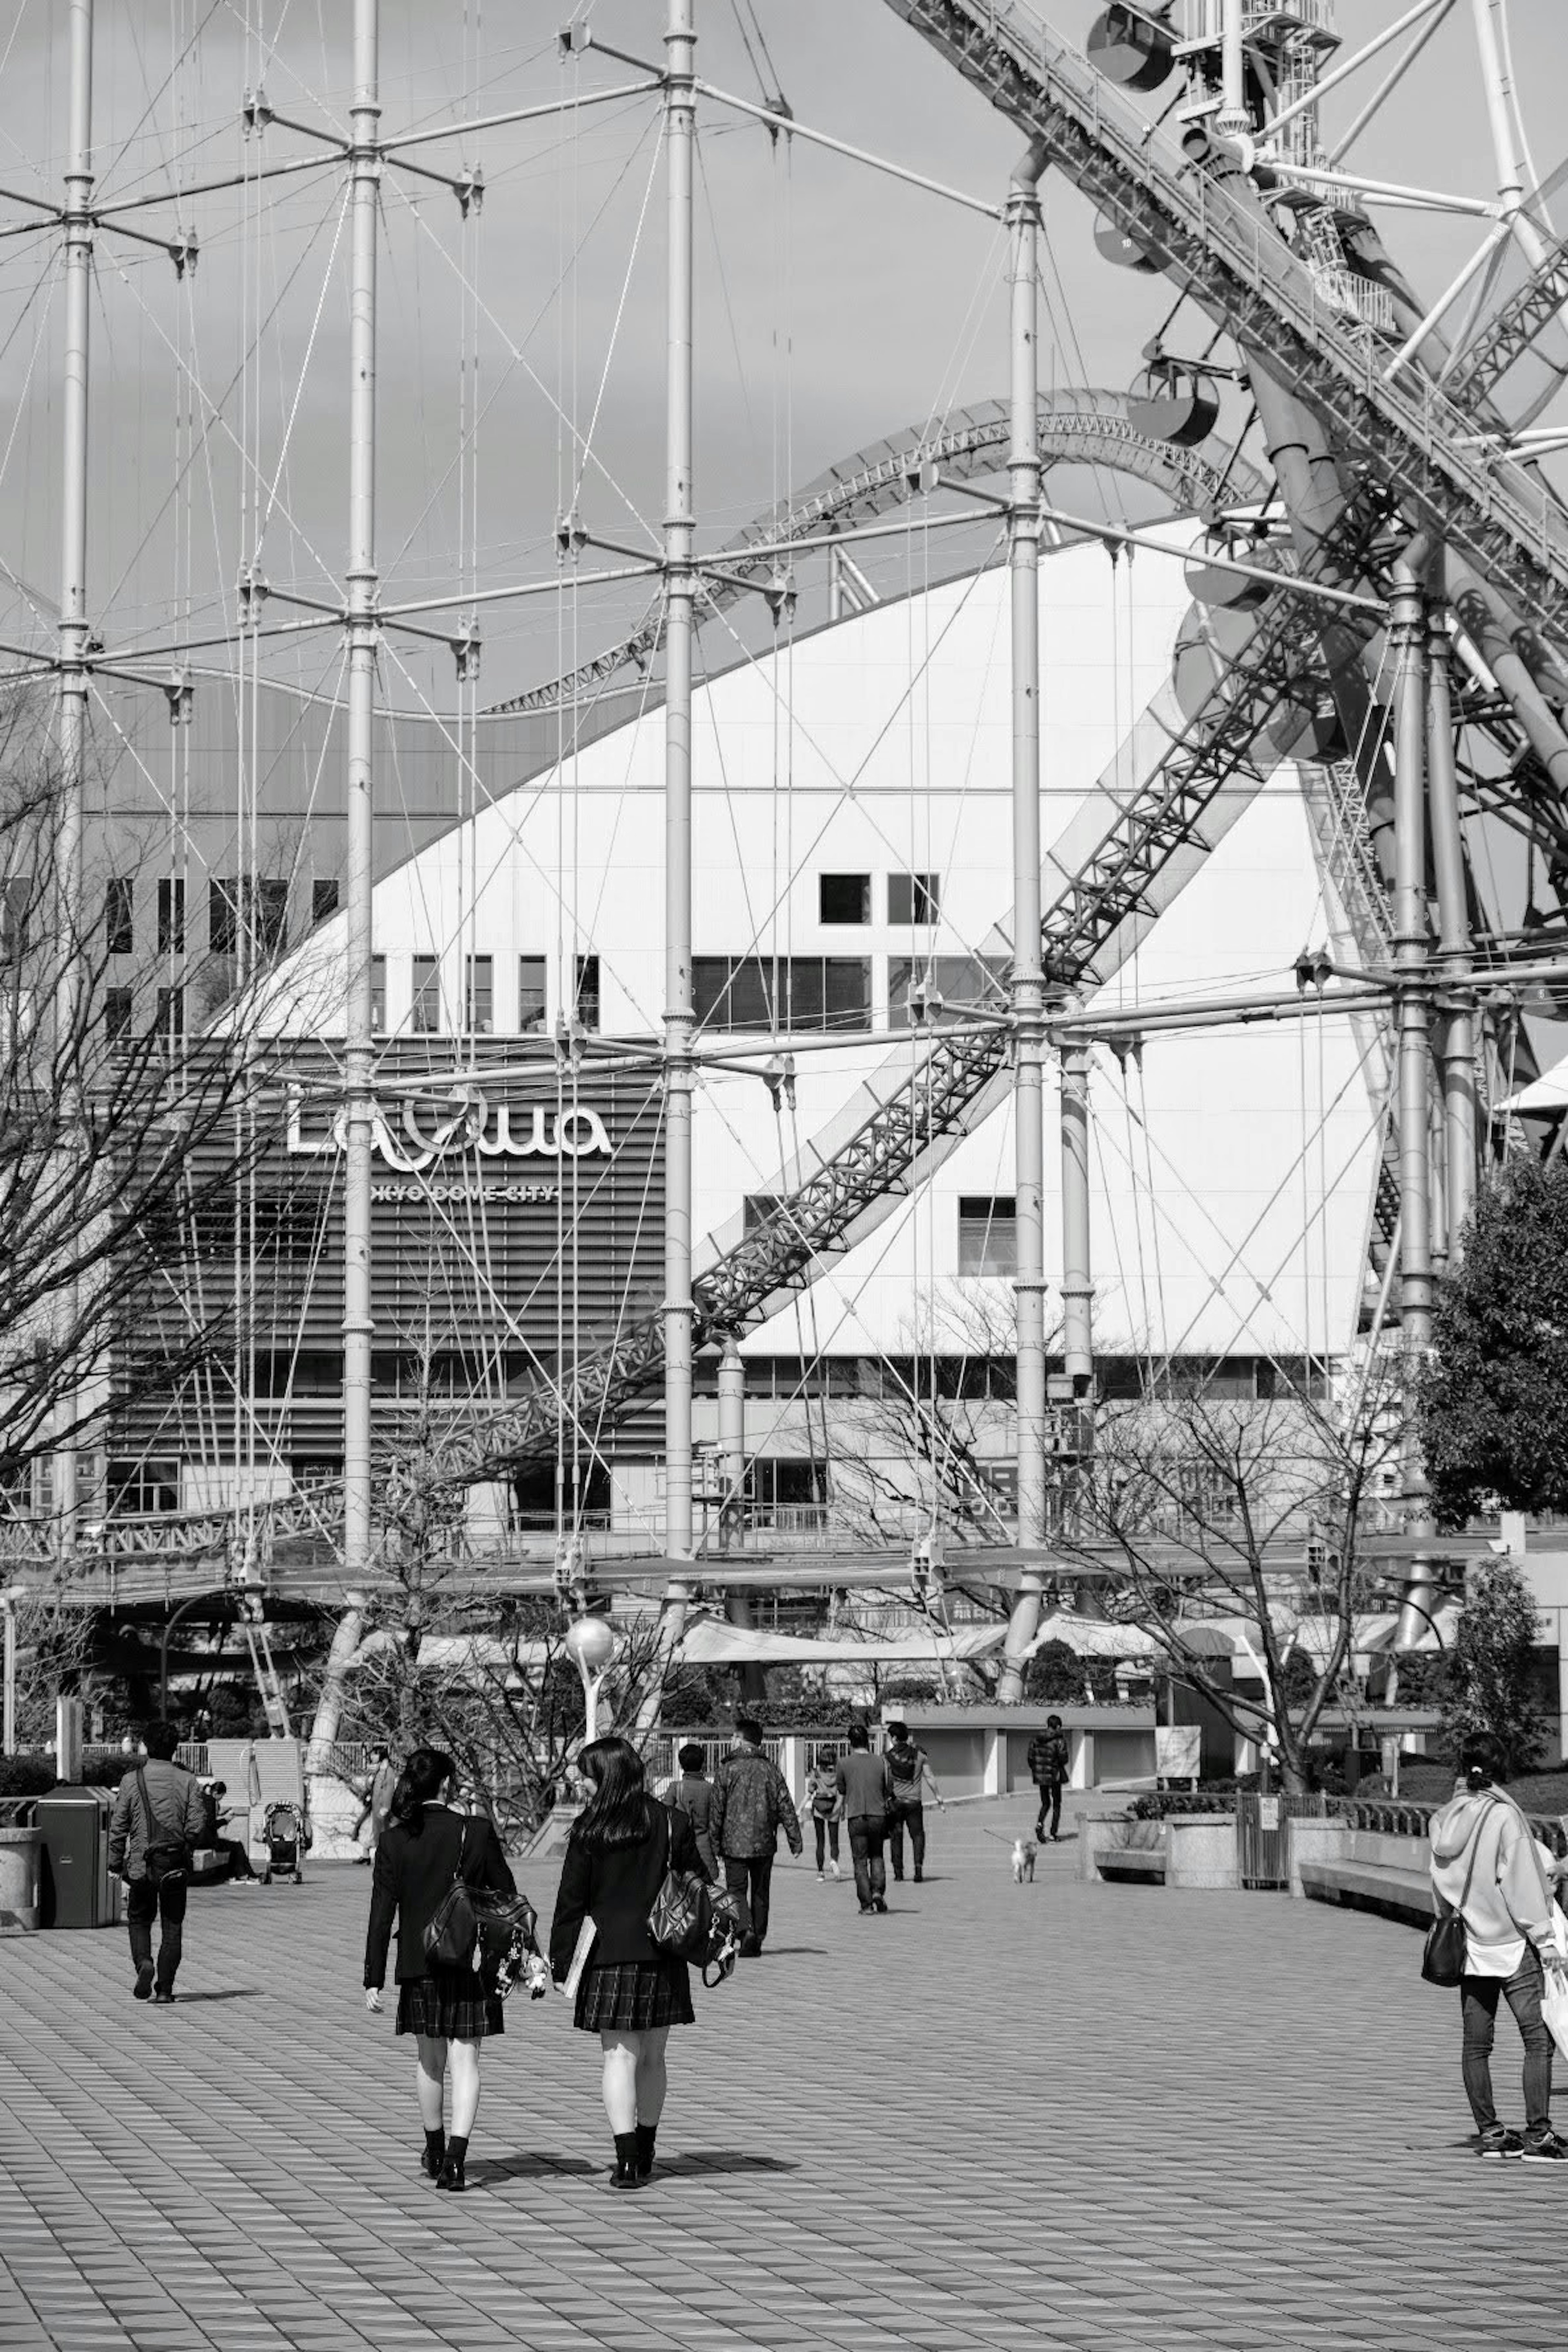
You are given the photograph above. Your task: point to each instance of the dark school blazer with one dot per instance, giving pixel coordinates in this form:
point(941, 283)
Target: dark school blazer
point(413, 1873)
point(618, 1885)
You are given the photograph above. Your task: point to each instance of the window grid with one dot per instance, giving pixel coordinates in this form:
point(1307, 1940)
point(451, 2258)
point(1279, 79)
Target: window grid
point(479, 995)
point(425, 1005)
point(532, 995)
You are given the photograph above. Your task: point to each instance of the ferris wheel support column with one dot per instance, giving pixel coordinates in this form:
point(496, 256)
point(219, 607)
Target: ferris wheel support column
point(362, 585)
point(70, 1008)
point(1457, 1052)
point(1028, 990)
point(1408, 641)
point(680, 589)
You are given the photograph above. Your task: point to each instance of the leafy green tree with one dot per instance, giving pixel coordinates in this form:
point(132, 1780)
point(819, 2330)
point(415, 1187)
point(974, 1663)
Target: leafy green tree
point(1494, 1405)
point(1491, 1684)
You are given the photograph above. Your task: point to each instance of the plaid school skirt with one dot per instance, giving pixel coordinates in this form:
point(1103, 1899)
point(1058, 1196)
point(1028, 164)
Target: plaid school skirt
point(450, 2005)
point(633, 1997)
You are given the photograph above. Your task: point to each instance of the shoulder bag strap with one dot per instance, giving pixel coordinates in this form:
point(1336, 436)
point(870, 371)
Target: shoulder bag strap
point(146, 1802)
point(457, 1878)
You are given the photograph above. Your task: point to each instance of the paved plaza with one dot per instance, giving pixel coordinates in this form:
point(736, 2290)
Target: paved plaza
point(1118, 2120)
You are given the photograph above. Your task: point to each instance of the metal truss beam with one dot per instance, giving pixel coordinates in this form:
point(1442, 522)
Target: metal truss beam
point(1509, 334)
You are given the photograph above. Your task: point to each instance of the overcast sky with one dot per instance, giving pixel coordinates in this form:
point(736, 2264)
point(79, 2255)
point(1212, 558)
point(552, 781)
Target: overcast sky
point(835, 305)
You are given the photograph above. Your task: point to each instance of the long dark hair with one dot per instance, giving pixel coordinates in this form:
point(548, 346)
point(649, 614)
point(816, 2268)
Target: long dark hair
point(618, 1812)
point(424, 1775)
point(1483, 1760)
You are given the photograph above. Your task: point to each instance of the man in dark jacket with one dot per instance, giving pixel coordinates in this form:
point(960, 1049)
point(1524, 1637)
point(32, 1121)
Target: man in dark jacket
point(749, 1806)
point(1048, 1765)
point(866, 1785)
point(157, 1821)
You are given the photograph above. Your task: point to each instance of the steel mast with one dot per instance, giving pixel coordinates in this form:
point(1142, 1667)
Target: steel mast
point(1022, 217)
point(679, 590)
point(70, 1009)
point(361, 637)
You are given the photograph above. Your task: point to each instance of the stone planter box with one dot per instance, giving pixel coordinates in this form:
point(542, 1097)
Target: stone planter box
point(1200, 1848)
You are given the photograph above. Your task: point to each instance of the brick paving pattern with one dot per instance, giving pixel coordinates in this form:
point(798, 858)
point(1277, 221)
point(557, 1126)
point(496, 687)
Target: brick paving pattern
point(1107, 2119)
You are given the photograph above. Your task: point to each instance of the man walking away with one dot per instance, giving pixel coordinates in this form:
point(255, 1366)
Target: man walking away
point(910, 1774)
point(1048, 1770)
point(749, 1806)
point(158, 1818)
point(691, 1792)
point(865, 1786)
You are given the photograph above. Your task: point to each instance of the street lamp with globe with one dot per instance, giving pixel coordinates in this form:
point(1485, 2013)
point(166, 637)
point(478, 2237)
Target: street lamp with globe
point(591, 1644)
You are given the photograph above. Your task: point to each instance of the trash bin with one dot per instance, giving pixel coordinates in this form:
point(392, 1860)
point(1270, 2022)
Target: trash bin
point(19, 1851)
point(75, 1888)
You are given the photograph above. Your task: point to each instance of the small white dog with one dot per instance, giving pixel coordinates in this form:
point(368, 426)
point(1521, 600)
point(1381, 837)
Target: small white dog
point(1024, 1853)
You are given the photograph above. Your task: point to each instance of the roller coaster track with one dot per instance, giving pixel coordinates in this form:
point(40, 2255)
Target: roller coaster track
point(1082, 427)
point(1227, 256)
point(1099, 905)
point(1509, 333)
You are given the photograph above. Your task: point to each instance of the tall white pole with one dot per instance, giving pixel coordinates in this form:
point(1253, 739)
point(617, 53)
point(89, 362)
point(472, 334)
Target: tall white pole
point(1023, 218)
point(1409, 648)
point(74, 631)
point(680, 138)
point(1409, 642)
point(1077, 1287)
point(361, 585)
point(1233, 117)
point(1457, 1049)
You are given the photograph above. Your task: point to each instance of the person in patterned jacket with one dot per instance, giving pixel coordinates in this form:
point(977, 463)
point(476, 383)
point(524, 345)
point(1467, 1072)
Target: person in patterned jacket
point(750, 1805)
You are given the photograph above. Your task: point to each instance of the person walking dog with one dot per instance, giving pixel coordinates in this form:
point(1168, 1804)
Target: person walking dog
point(750, 1804)
point(865, 1786)
point(425, 1847)
point(1487, 1867)
point(1048, 1767)
point(158, 1821)
point(629, 1992)
point(911, 1776)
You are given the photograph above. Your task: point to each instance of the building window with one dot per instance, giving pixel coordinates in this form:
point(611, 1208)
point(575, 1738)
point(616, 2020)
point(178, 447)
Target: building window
point(119, 918)
point(223, 915)
point(143, 1489)
point(172, 915)
point(272, 915)
point(913, 898)
point(16, 897)
point(586, 1001)
point(378, 995)
point(789, 993)
point(479, 996)
point(323, 901)
point(782, 1484)
point(119, 1009)
point(531, 996)
point(171, 1014)
point(987, 1234)
point(843, 898)
point(425, 1017)
point(963, 982)
point(266, 913)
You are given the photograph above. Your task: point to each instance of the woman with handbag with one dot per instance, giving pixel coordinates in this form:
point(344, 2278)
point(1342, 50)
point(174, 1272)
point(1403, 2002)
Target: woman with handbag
point(623, 1845)
point(426, 1851)
point(1496, 1935)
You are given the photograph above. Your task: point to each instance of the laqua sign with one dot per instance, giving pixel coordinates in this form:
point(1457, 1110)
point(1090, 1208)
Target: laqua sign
point(422, 1131)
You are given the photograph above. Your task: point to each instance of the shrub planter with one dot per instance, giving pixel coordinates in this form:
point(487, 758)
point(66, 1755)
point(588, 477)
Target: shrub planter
point(18, 1881)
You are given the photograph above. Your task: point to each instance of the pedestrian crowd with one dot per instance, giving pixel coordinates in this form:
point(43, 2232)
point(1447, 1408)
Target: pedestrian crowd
point(653, 1883)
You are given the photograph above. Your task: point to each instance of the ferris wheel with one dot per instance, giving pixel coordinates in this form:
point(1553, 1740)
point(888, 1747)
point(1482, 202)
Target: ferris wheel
point(1380, 594)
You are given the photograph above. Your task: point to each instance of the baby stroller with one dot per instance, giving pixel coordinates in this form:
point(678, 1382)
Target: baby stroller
point(285, 1836)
